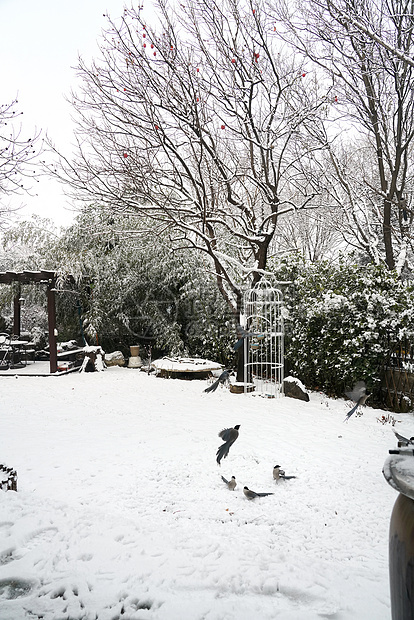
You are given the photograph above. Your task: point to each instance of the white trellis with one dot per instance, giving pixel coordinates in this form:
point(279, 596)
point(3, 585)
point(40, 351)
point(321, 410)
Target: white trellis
point(262, 318)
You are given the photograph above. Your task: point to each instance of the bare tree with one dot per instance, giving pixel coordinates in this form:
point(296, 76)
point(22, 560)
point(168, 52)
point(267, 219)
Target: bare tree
point(364, 23)
point(17, 153)
point(315, 234)
point(205, 124)
point(370, 92)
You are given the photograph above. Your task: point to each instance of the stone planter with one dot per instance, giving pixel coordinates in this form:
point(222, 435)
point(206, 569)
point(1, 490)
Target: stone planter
point(134, 361)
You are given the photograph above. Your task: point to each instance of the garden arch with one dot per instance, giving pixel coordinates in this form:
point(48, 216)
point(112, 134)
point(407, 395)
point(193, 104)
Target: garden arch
point(44, 277)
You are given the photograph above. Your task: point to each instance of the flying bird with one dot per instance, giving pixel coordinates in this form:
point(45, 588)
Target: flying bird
point(252, 494)
point(223, 378)
point(279, 474)
point(359, 395)
point(229, 436)
point(404, 441)
point(241, 335)
point(230, 483)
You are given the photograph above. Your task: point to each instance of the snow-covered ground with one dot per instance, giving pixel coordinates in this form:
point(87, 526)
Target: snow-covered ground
point(121, 512)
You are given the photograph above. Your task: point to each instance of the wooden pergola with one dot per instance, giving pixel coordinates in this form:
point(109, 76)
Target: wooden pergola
point(48, 278)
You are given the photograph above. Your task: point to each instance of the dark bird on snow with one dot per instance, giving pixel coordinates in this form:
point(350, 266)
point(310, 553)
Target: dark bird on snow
point(404, 441)
point(230, 483)
point(359, 395)
point(279, 474)
point(252, 494)
point(223, 378)
point(229, 436)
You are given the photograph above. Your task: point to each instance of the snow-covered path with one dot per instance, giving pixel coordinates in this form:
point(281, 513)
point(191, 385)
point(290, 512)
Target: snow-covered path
point(121, 512)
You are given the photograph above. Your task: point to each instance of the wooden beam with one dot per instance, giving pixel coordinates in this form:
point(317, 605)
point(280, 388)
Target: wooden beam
point(8, 277)
point(28, 277)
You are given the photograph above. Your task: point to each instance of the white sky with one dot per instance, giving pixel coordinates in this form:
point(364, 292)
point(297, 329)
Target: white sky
point(39, 46)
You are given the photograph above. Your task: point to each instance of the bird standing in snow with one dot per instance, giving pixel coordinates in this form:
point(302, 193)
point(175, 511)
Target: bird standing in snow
point(230, 483)
point(252, 494)
point(229, 436)
point(359, 395)
point(279, 474)
point(223, 378)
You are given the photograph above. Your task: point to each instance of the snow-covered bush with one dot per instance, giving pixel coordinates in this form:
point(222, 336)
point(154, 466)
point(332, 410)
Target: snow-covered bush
point(343, 321)
point(136, 290)
point(130, 287)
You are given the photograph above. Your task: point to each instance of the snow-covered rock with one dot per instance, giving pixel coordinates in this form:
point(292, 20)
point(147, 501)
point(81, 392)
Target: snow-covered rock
point(114, 359)
point(293, 388)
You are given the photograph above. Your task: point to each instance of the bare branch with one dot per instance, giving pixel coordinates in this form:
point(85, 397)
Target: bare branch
point(202, 124)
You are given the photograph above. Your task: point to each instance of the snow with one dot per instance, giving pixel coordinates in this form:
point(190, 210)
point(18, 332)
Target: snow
point(296, 381)
point(185, 364)
point(121, 513)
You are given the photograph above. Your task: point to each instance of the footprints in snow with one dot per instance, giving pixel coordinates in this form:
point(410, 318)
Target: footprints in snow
point(38, 537)
point(28, 543)
point(11, 589)
point(74, 599)
point(68, 598)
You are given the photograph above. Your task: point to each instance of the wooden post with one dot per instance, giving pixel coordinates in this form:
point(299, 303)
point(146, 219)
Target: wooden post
point(16, 314)
point(51, 312)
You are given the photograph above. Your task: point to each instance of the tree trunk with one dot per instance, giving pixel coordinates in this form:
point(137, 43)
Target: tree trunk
point(387, 236)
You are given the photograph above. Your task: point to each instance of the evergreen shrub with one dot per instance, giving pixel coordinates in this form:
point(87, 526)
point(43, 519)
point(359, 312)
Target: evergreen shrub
point(343, 322)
